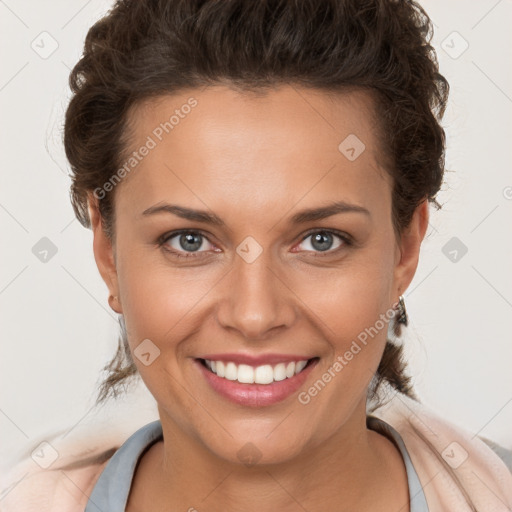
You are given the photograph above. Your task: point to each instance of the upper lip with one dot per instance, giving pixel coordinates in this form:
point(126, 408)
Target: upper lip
point(256, 360)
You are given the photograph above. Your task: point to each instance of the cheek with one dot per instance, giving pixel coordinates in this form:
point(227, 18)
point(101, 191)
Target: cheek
point(355, 312)
point(349, 299)
point(158, 305)
point(353, 308)
point(157, 299)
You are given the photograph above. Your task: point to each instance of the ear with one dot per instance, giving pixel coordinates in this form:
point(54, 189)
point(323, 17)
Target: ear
point(104, 254)
point(408, 250)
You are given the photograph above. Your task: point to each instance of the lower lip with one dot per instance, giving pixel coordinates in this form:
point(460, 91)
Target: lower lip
point(256, 395)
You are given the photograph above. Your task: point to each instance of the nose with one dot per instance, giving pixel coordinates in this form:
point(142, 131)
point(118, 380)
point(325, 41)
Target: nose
point(255, 299)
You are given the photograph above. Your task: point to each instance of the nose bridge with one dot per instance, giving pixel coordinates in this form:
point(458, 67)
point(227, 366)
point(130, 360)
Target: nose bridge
point(255, 300)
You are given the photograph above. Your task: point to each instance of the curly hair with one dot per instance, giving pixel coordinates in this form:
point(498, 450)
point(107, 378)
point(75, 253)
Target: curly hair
point(143, 49)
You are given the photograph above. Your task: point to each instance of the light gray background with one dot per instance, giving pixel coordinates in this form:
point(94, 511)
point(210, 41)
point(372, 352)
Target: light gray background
point(58, 330)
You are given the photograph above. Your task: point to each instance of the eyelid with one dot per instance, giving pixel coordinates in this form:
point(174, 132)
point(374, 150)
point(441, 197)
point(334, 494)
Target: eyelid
point(341, 234)
point(345, 238)
point(163, 239)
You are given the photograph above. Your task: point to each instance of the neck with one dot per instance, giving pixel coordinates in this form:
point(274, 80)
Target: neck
point(183, 474)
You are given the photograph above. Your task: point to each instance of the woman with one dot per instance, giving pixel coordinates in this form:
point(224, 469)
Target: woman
point(257, 177)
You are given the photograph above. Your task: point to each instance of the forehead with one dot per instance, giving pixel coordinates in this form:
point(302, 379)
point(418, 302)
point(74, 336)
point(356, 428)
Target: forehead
point(221, 143)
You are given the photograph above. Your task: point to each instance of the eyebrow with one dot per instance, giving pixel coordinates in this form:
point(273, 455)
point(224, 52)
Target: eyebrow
point(303, 216)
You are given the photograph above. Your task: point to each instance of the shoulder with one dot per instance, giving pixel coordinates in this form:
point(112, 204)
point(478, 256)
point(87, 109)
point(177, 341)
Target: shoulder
point(57, 473)
point(65, 488)
point(452, 463)
point(414, 417)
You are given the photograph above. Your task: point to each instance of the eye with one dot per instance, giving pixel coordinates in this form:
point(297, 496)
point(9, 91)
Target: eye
point(184, 244)
point(323, 241)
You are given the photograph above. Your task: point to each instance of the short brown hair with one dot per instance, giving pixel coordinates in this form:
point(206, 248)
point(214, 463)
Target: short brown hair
point(147, 48)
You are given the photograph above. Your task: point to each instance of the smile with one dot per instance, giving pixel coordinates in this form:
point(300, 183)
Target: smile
point(255, 385)
point(264, 374)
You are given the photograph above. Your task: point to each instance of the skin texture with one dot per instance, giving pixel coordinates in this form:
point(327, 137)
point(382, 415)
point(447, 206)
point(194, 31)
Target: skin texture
point(255, 161)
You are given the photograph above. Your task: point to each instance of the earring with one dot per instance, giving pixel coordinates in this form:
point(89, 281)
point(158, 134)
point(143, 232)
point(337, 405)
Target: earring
point(402, 312)
point(401, 317)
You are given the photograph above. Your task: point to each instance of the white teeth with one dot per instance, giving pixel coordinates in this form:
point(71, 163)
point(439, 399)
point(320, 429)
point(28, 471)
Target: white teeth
point(220, 369)
point(300, 366)
point(265, 374)
point(290, 370)
point(231, 371)
point(280, 371)
point(245, 374)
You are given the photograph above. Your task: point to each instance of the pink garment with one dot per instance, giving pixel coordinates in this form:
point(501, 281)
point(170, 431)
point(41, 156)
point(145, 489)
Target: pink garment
point(458, 471)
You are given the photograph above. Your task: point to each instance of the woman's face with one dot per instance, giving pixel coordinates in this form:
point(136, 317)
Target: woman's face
point(267, 278)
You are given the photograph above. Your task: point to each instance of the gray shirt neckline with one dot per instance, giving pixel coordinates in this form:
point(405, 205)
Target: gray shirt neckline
point(112, 488)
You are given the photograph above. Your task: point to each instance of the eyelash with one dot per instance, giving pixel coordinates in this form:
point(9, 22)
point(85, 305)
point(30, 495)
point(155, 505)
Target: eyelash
point(162, 241)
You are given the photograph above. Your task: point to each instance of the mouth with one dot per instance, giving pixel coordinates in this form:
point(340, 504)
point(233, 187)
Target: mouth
point(252, 385)
point(263, 374)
